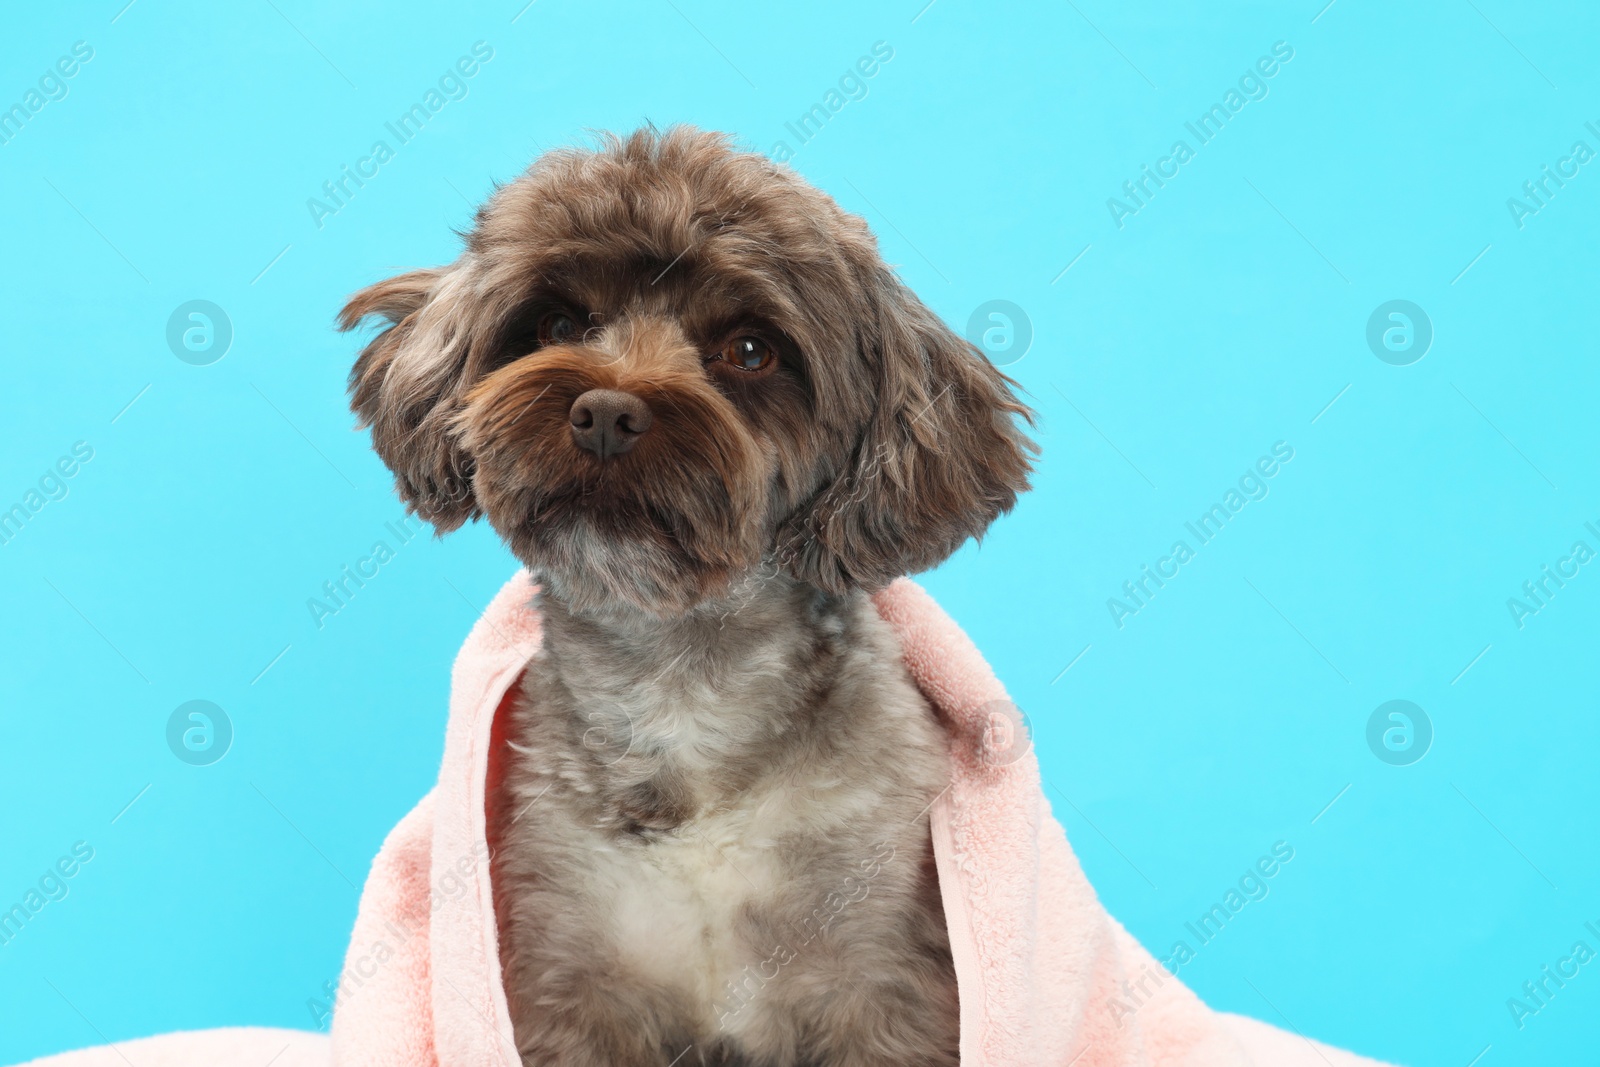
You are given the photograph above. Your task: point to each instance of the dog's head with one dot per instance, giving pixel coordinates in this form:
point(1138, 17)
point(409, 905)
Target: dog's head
point(659, 366)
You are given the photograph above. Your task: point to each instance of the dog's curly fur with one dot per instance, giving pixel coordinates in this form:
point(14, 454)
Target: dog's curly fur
point(711, 830)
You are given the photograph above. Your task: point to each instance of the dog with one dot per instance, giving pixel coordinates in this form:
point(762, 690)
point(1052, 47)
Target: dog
point(688, 393)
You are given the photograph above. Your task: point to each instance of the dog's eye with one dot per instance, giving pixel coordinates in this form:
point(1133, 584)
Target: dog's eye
point(749, 354)
point(557, 328)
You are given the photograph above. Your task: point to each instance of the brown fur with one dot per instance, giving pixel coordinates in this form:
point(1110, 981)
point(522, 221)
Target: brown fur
point(704, 592)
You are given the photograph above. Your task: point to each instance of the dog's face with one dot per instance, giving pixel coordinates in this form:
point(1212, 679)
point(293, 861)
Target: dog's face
point(662, 365)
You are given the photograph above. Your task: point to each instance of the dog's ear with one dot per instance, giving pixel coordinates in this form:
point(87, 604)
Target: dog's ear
point(942, 455)
point(406, 386)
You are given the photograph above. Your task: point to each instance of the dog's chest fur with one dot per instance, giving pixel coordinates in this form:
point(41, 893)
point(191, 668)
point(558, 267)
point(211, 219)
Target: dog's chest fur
point(713, 834)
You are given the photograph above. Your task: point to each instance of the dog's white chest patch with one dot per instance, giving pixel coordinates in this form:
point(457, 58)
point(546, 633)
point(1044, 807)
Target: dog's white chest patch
point(681, 901)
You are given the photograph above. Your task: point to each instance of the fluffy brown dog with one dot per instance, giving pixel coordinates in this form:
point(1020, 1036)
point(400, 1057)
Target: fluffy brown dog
point(699, 407)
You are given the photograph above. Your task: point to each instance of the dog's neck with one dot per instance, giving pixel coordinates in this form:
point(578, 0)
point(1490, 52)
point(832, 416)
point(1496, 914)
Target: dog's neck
point(745, 664)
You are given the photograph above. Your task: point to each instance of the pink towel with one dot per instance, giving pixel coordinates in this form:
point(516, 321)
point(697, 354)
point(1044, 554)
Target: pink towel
point(1045, 975)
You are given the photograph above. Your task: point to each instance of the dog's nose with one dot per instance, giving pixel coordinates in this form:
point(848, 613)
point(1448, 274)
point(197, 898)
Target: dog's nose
point(608, 422)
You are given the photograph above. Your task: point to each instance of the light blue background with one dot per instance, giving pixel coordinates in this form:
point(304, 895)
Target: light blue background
point(1224, 317)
